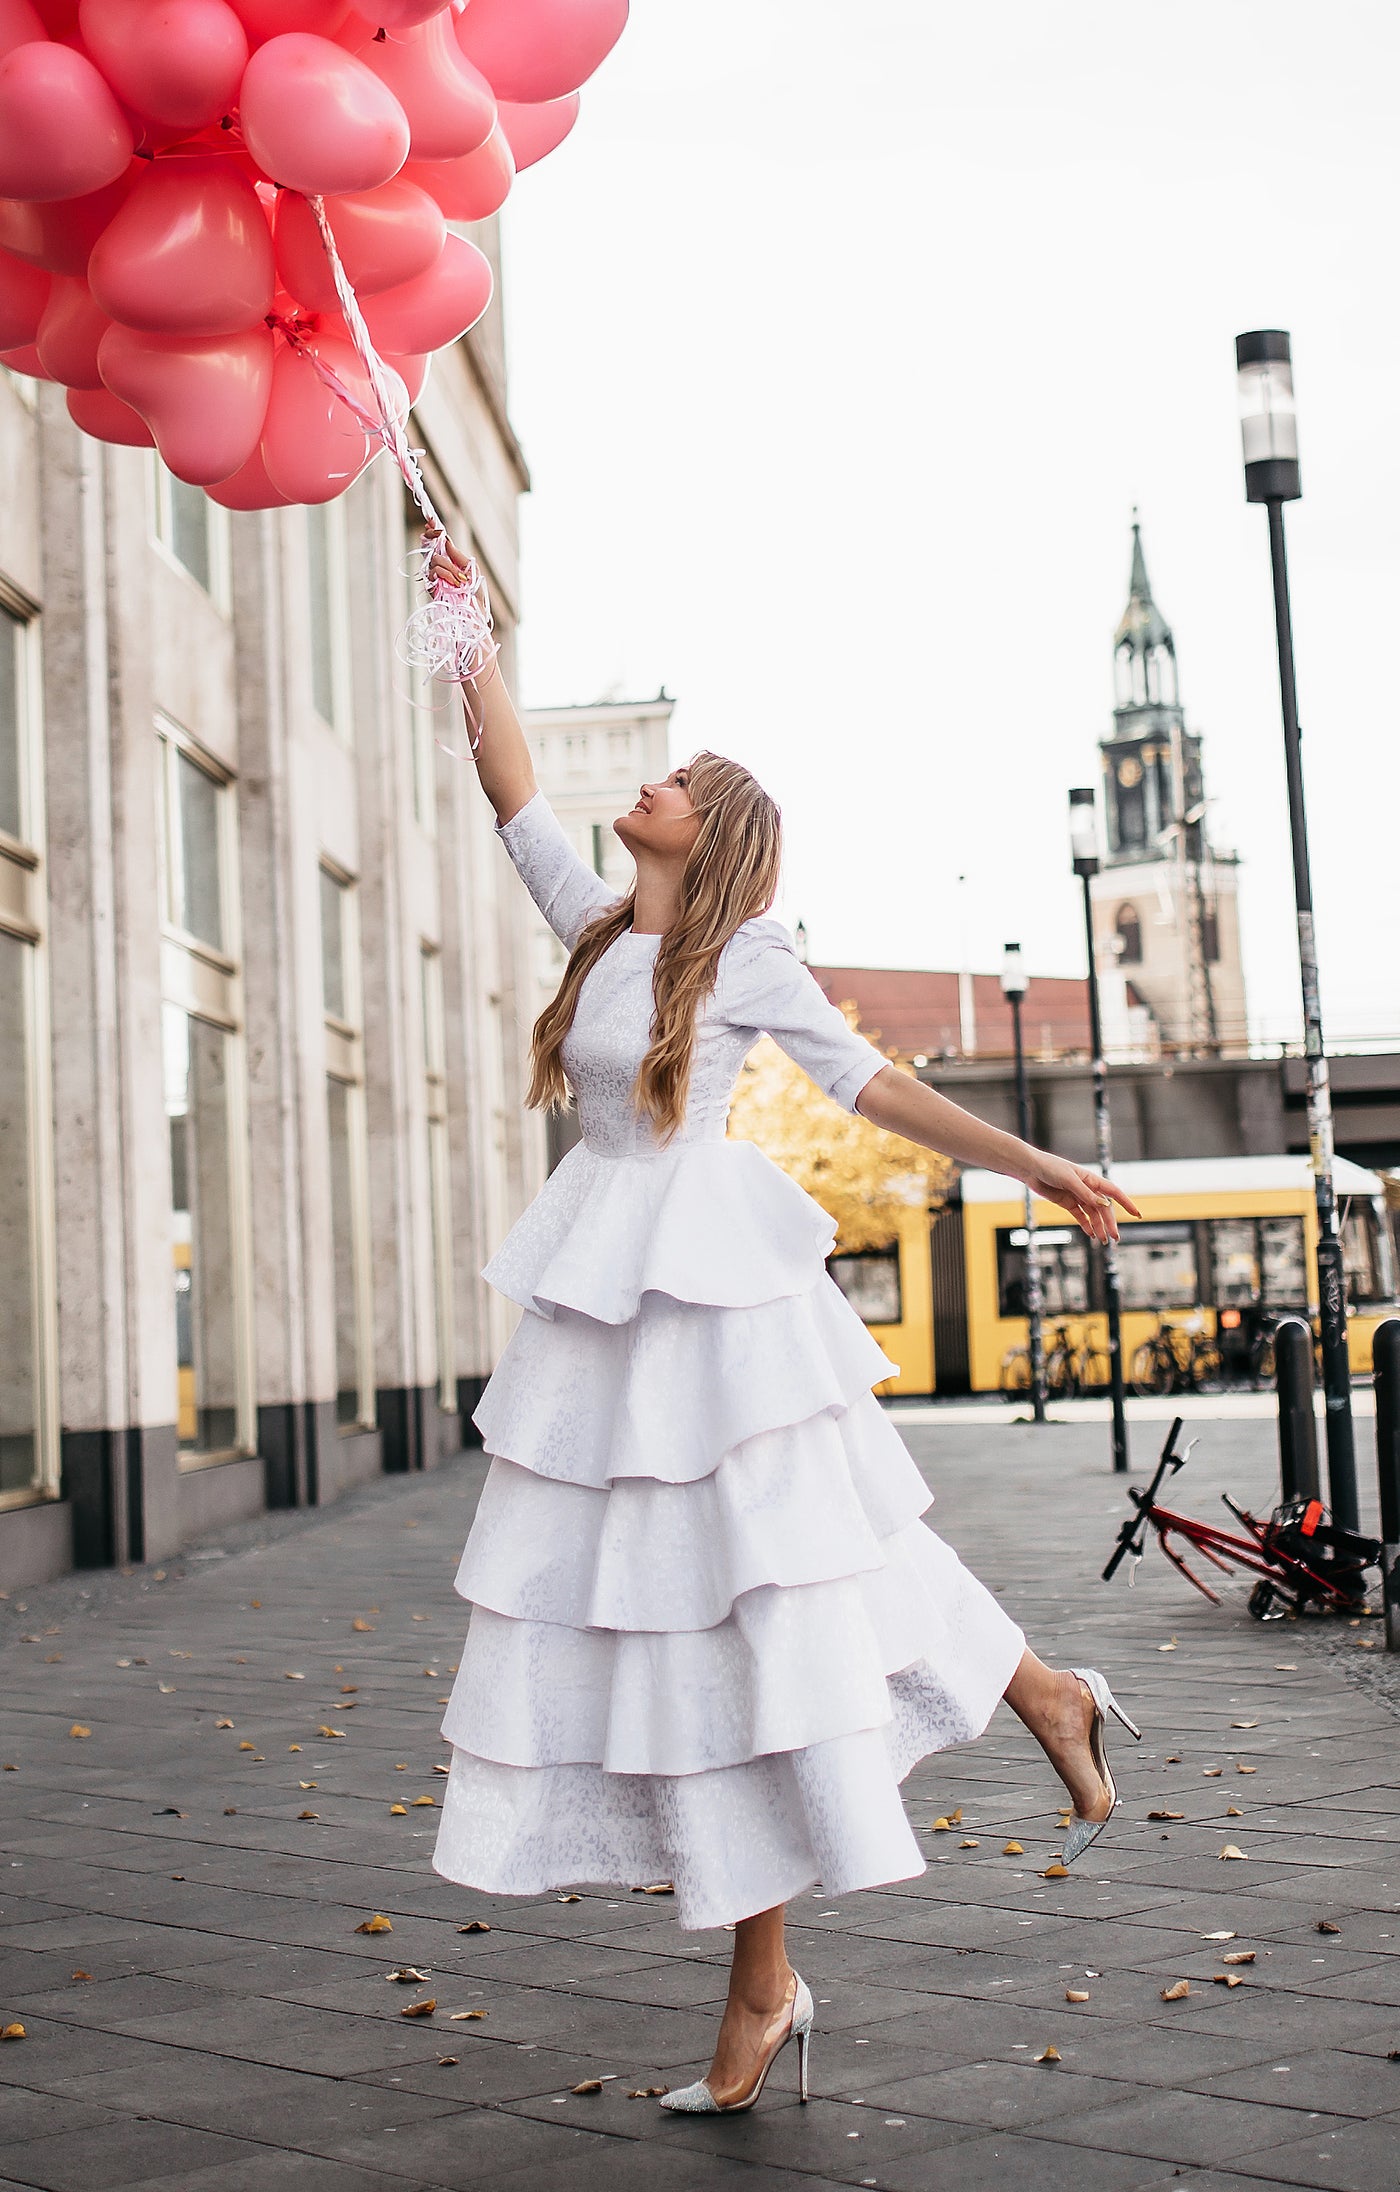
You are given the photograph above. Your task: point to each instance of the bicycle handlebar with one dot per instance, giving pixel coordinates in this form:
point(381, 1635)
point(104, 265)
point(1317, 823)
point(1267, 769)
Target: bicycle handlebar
point(1131, 1534)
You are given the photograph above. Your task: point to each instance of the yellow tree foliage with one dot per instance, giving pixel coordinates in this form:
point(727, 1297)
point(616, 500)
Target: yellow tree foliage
point(864, 1177)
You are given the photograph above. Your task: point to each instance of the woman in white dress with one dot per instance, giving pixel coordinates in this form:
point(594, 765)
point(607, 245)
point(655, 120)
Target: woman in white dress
point(710, 1632)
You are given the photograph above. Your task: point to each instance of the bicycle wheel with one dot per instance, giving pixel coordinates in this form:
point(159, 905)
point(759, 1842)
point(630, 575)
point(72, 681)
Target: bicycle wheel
point(1060, 1376)
point(1016, 1374)
point(1264, 1361)
point(1093, 1371)
point(1207, 1367)
point(1153, 1369)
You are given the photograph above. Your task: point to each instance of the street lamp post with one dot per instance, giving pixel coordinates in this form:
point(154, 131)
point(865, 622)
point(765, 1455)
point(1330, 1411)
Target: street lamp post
point(1084, 845)
point(1013, 983)
point(1270, 428)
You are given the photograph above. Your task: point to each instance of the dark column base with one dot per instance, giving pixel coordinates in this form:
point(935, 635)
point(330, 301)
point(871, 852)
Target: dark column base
point(123, 1488)
point(408, 1426)
point(469, 1392)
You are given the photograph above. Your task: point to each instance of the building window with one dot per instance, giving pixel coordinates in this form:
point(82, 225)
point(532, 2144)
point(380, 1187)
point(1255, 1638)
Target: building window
point(870, 1284)
point(1129, 936)
point(1157, 1266)
point(348, 1142)
point(1210, 934)
point(205, 1105)
point(327, 618)
point(28, 1306)
point(429, 706)
point(439, 1174)
point(192, 529)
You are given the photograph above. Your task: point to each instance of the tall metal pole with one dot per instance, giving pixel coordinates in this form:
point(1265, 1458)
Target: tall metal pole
point(1103, 1139)
point(1331, 1269)
point(1034, 1296)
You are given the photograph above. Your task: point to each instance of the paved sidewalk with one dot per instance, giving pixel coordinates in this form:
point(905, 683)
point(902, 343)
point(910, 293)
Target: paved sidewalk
point(183, 1885)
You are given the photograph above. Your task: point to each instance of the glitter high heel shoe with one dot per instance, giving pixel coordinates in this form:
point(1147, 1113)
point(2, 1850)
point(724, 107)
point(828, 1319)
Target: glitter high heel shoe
point(698, 2100)
point(1082, 1832)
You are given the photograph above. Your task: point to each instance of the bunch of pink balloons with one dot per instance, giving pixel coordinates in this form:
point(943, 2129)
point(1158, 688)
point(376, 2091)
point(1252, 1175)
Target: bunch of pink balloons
point(158, 256)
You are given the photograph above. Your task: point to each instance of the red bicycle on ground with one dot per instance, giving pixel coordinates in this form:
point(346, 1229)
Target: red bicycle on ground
point(1304, 1563)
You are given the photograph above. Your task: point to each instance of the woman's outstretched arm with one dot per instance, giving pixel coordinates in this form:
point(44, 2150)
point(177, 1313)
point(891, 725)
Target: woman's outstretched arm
point(503, 759)
point(902, 1105)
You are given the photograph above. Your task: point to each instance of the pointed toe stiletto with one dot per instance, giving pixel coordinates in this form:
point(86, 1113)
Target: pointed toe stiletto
point(1082, 1832)
point(698, 2100)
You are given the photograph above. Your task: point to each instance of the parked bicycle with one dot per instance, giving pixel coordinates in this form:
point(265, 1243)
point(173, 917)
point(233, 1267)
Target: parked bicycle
point(1072, 1366)
point(1179, 1358)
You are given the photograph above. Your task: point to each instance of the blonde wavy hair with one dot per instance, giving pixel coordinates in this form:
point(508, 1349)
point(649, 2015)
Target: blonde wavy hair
point(730, 876)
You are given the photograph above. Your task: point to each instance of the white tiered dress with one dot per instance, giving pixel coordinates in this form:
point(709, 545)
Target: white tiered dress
point(710, 1633)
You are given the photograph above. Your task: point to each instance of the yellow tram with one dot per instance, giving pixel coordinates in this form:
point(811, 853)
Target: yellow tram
point(1219, 1239)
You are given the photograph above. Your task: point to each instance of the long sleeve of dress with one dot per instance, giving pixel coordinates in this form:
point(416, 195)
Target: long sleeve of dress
point(562, 885)
point(764, 986)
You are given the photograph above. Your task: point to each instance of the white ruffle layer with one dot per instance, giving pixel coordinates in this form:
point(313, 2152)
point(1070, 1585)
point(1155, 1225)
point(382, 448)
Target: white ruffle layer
point(807, 1503)
point(708, 1222)
point(669, 1393)
point(789, 1667)
point(733, 1841)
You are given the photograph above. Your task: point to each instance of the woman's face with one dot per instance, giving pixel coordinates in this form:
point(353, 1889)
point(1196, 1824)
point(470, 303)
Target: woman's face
point(663, 822)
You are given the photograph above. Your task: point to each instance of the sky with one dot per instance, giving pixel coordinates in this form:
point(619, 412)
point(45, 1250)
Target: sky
point(843, 340)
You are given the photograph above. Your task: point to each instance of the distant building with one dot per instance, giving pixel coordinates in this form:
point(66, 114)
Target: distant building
point(928, 1015)
point(1166, 909)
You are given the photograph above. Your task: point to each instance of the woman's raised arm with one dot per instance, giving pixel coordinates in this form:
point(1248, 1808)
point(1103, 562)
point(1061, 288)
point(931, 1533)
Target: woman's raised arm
point(503, 759)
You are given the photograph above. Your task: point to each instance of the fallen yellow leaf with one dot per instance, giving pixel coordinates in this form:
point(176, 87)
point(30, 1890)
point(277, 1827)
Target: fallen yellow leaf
point(419, 1801)
point(941, 1825)
point(569, 1898)
point(1055, 1871)
point(294, 1746)
point(587, 2085)
point(956, 1816)
point(1246, 1769)
point(1013, 1849)
point(1167, 1647)
point(1230, 1850)
point(969, 1844)
point(658, 1887)
point(1177, 1993)
point(245, 1746)
point(475, 1925)
point(1048, 2055)
point(377, 1924)
point(78, 1729)
point(1227, 1978)
point(365, 1627)
point(82, 1975)
point(442, 1769)
point(1211, 1773)
point(1325, 1925)
point(330, 1731)
point(398, 1811)
point(12, 2032)
point(1076, 1994)
point(1217, 1936)
point(420, 2009)
point(466, 2016)
point(308, 1784)
point(407, 1975)
point(223, 1723)
point(1239, 1956)
point(1166, 1815)
point(1232, 1811)
point(646, 2092)
point(308, 1815)
point(1244, 1723)
point(448, 2062)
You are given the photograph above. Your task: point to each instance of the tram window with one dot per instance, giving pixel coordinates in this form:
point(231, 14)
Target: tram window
point(1283, 1263)
point(1359, 1254)
point(1234, 1259)
point(1157, 1266)
point(1063, 1255)
point(870, 1284)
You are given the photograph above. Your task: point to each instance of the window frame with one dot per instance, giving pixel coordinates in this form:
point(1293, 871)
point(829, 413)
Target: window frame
point(340, 721)
point(23, 917)
point(205, 982)
point(219, 591)
point(345, 1065)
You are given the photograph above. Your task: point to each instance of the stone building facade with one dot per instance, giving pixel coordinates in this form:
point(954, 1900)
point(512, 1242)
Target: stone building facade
point(265, 978)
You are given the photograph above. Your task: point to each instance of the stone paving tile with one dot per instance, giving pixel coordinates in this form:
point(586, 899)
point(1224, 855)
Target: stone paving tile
point(933, 1994)
point(122, 2151)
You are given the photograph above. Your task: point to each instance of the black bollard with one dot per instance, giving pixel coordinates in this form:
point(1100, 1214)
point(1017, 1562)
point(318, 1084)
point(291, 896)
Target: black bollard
point(1297, 1426)
point(1386, 1359)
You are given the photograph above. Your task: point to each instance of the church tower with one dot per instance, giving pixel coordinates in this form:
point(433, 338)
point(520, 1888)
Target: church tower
point(1165, 900)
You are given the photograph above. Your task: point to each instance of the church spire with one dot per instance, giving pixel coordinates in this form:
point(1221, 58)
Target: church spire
point(1142, 625)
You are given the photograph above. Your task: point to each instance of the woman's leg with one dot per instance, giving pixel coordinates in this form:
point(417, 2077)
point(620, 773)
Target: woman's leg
point(760, 1998)
point(1059, 1712)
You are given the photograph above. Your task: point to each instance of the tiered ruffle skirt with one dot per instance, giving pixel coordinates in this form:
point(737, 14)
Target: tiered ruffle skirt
point(710, 1633)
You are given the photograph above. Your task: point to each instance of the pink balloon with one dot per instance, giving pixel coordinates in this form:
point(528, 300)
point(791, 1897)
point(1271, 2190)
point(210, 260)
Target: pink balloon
point(469, 189)
point(19, 25)
point(384, 237)
point(177, 62)
point(24, 359)
point(531, 132)
point(435, 308)
point(398, 14)
point(264, 19)
point(60, 236)
point(107, 418)
point(203, 397)
point(69, 333)
point(190, 253)
point(450, 106)
point(413, 372)
point(312, 444)
point(60, 16)
point(249, 488)
point(61, 131)
point(316, 119)
point(531, 50)
point(24, 291)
